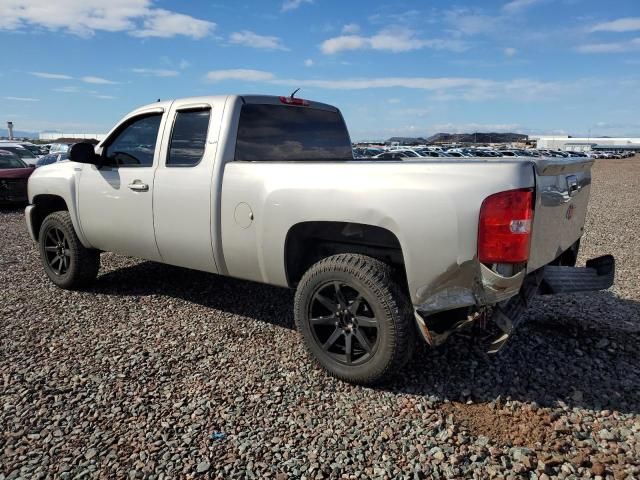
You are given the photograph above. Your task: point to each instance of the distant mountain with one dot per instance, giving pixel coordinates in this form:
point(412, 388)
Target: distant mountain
point(408, 140)
point(18, 133)
point(477, 138)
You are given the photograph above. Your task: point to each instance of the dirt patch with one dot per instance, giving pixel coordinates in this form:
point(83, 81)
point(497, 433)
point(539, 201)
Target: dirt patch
point(506, 426)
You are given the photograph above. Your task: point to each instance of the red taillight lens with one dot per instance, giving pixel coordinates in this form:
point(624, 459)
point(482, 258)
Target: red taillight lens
point(504, 231)
point(295, 101)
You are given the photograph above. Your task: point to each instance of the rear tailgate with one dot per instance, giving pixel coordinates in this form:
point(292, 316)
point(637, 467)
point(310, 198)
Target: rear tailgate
point(562, 195)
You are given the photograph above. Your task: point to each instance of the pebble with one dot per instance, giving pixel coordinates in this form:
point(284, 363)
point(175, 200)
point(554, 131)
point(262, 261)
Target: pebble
point(131, 377)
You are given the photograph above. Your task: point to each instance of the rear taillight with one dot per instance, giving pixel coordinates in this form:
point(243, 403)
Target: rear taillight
point(295, 101)
point(504, 231)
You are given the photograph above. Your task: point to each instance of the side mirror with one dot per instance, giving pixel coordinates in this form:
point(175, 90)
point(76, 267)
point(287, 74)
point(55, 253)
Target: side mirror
point(84, 153)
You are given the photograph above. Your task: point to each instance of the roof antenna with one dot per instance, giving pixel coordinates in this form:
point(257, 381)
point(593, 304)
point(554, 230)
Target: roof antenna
point(294, 92)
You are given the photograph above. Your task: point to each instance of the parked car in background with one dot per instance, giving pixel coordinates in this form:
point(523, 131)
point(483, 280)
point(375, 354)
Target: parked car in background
point(473, 152)
point(577, 154)
point(427, 152)
point(366, 152)
point(51, 158)
point(397, 154)
point(60, 147)
point(25, 154)
point(14, 174)
point(514, 153)
point(453, 153)
point(37, 150)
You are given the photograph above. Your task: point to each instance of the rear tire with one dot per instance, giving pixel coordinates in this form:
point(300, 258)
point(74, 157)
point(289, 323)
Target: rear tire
point(356, 321)
point(66, 261)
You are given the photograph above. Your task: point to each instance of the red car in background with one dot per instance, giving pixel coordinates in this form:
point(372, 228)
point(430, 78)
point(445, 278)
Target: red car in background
point(14, 174)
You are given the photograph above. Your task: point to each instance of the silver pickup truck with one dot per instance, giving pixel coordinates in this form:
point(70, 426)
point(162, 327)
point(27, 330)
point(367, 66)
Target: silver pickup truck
point(266, 188)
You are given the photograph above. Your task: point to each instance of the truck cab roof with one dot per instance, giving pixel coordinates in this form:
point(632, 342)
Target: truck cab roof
point(246, 98)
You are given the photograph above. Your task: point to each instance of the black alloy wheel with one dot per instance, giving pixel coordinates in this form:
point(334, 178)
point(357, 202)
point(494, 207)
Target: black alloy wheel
point(343, 323)
point(57, 251)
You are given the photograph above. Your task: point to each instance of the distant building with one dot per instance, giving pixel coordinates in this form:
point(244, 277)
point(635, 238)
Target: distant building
point(585, 144)
point(51, 136)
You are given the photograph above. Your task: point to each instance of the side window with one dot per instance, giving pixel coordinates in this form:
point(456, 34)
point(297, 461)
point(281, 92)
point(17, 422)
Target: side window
point(188, 138)
point(135, 144)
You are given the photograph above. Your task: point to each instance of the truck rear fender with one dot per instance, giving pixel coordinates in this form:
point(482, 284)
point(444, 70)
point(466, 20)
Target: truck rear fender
point(308, 242)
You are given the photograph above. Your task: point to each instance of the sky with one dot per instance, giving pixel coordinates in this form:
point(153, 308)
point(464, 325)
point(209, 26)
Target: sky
point(394, 68)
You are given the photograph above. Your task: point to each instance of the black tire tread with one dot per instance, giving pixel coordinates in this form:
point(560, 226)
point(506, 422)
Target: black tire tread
point(380, 278)
point(86, 261)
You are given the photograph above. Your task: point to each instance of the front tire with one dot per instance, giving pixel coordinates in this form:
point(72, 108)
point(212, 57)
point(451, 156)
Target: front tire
point(66, 261)
point(356, 321)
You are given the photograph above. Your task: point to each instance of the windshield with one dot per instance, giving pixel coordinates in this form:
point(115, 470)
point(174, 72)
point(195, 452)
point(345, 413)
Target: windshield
point(47, 159)
point(36, 150)
point(21, 152)
point(59, 147)
point(9, 160)
point(288, 133)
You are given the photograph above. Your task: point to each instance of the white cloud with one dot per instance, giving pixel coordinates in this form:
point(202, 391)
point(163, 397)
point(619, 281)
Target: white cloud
point(445, 88)
point(422, 83)
point(51, 76)
point(391, 40)
point(413, 112)
point(184, 64)
point(67, 89)
point(166, 24)
point(612, 47)
point(350, 28)
point(628, 24)
point(518, 5)
point(22, 99)
point(468, 22)
point(239, 74)
point(344, 42)
point(308, 62)
point(510, 51)
point(253, 40)
point(105, 97)
point(391, 15)
point(293, 4)
point(155, 72)
point(98, 80)
point(475, 127)
point(85, 17)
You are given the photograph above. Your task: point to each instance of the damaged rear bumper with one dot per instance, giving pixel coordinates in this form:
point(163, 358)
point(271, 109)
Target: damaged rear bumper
point(510, 297)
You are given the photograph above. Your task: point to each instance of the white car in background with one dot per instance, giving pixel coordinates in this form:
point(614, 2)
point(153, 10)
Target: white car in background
point(25, 154)
point(37, 150)
point(398, 153)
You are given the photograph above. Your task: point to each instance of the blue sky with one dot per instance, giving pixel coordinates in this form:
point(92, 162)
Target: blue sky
point(393, 68)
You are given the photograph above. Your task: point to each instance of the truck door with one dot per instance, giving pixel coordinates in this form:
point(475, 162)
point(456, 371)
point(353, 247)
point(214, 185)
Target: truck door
point(183, 196)
point(115, 200)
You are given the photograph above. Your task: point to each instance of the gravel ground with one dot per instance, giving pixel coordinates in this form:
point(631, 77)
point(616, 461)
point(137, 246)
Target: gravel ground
point(159, 372)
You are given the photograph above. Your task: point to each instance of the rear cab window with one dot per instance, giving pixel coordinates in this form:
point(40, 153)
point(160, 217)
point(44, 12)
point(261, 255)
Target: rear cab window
point(188, 137)
point(272, 133)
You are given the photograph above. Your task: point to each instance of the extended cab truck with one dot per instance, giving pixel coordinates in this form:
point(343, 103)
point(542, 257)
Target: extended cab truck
point(266, 189)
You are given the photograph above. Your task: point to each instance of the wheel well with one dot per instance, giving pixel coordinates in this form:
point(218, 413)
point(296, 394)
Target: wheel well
point(45, 204)
point(309, 242)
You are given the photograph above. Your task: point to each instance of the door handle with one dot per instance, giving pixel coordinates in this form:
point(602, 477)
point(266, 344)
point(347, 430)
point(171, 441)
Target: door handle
point(138, 186)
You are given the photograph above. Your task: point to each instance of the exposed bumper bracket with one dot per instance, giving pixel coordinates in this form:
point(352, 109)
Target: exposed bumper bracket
point(598, 274)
